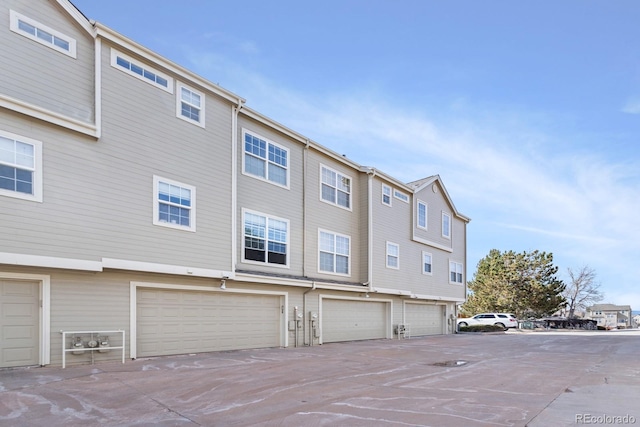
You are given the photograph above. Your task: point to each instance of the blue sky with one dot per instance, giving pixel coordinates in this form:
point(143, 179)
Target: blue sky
point(528, 110)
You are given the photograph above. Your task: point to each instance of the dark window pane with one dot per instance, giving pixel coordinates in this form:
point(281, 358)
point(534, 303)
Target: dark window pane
point(254, 255)
point(277, 258)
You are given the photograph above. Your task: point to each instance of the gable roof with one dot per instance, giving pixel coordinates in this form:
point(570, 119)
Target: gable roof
point(77, 15)
point(421, 184)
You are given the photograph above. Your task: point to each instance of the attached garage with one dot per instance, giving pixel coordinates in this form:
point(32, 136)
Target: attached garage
point(19, 323)
point(187, 321)
point(424, 319)
point(351, 320)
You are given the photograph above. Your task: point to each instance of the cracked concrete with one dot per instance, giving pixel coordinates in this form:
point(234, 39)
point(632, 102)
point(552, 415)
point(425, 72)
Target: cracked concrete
point(515, 379)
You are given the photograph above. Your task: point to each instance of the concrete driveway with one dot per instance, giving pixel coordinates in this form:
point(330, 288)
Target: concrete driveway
point(513, 379)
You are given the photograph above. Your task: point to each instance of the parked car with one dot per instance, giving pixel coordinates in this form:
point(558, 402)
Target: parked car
point(503, 320)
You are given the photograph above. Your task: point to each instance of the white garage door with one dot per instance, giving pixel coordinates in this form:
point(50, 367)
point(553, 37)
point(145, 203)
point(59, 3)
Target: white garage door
point(178, 322)
point(424, 319)
point(346, 320)
point(19, 323)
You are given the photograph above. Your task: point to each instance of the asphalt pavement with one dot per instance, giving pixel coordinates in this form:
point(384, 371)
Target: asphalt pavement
point(536, 379)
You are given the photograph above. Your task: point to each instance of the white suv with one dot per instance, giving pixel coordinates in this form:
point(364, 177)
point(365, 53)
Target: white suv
point(503, 320)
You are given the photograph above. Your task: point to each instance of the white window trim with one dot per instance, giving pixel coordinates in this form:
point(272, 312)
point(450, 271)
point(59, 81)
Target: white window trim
point(386, 258)
point(268, 141)
point(14, 17)
point(350, 208)
point(461, 272)
point(179, 101)
point(37, 173)
point(426, 273)
point(426, 215)
point(386, 187)
point(114, 63)
point(268, 217)
point(401, 196)
point(448, 230)
point(156, 207)
point(334, 253)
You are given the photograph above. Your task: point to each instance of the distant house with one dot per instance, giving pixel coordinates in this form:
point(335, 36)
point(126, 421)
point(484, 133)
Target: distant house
point(610, 316)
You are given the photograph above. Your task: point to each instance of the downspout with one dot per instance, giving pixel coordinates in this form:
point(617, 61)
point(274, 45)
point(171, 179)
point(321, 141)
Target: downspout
point(371, 174)
point(304, 207)
point(304, 316)
point(97, 109)
point(235, 110)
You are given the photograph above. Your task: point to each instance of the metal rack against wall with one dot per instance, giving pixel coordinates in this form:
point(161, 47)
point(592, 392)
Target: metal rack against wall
point(93, 337)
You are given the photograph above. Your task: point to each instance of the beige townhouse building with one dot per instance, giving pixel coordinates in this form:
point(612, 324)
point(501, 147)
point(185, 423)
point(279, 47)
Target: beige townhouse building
point(146, 211)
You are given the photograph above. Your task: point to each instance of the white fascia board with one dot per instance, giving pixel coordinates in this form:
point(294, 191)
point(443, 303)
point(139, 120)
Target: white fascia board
point(188, 76)
point(274, 280)
point(49, 262)
point(77, 16)
point(150, 267)
point(390, 291)
point(440, 298)
point(48, 116)
point(432, 244)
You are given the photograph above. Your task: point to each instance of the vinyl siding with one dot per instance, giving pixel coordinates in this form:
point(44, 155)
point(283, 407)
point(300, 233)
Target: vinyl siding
point(272, 200)
point(21, 77)
point(325, 216)
point(98, 195)
point(395, 224)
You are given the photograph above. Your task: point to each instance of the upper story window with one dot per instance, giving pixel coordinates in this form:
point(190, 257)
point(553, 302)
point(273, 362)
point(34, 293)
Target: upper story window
point(20, 167)
point(446, 225)
point(189, 105)
point(42, 34)
point(143, 72)
point(174, 204)
point(336, 188)
point(400, 196)
point(265, 159)
point(422, 215)
point(334, 253)
point(266, 239)
point(455, 272)
point(386, 195)
point(393, 255)
point(427, 263)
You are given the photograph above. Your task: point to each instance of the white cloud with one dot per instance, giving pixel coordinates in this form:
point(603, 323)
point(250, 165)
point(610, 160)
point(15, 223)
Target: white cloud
point(501, 168)
point(632, 106)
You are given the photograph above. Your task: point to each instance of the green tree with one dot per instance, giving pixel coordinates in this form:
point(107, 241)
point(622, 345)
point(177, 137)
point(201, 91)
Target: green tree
point(524, 284)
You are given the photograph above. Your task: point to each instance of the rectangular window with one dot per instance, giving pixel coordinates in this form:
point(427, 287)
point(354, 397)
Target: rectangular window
point(393, 255)
point(265, 160)
point(143, 72)
point(400, 196)
point(386, 195)
point(174, 204)
point(265, 239)
point(189, 105)
point(422, 215)
point(42, 34)
point(455, 272)
point(334, 253)
point(336, 188)
point(427, 261)
point(446, 225)
point(20, 167)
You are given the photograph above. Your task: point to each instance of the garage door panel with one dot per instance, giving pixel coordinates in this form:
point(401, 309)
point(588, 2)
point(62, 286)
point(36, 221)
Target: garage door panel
point(349, 320)
point(19, 323)
point(192, 321)
point(424, 319)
